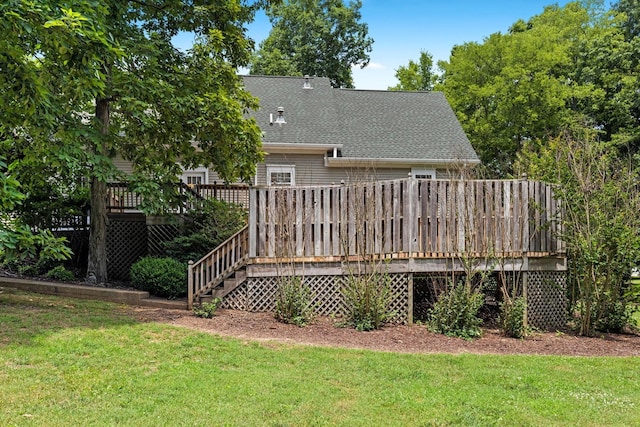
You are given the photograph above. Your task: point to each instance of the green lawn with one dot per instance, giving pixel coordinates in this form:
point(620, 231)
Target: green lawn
point(70, 362)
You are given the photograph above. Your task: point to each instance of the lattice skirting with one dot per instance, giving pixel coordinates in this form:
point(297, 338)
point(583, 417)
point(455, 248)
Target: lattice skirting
point(259, 294)
point(546, 299)
point(126, 243)
point(158, 234)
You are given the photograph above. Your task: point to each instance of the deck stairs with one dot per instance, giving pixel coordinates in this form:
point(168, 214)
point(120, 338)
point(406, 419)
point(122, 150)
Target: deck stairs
point(220, 271)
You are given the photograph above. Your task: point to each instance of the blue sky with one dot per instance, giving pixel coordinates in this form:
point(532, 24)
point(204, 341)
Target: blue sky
point(402, 28)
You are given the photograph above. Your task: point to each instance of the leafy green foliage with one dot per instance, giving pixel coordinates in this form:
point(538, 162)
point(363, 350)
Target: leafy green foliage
point(207, 310)
point(294, 302)
point(601, 201)
point(206, 228)
point(455, 313)
point(163, 277)
point(523, 86)
point(512, 317)
point(416, 75)
point(83, 85)
point(60, 273)
point(367, 298)
point(317, 38)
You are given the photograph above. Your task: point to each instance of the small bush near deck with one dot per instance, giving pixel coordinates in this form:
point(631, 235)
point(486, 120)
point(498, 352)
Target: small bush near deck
point(456, 312)
point(613, 315)
point(367, 300)
point(207, 309)
point(206, 228)
point(60, 273)
point(163, 277)
point(511, 318)
point(293, 302)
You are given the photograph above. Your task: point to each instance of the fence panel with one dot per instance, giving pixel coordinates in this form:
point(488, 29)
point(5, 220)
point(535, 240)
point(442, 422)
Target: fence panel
point(424, 218)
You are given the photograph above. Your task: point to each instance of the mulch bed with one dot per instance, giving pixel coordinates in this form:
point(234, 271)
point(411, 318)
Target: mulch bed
point(402, 339)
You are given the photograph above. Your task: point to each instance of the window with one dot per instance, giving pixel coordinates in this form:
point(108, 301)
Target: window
point(423, 173)
point(281, 175)
point(193, 178)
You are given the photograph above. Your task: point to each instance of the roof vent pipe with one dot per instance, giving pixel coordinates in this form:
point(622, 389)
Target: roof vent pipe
point(280, 117)
point(307, 82)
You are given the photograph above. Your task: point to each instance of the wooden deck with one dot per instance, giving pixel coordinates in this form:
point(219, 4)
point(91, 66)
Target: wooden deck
point(407, 218)
point(122, 199)
point(415, 226)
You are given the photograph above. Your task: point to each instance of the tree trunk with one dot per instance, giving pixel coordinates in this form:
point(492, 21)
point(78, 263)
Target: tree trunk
point(97, 263)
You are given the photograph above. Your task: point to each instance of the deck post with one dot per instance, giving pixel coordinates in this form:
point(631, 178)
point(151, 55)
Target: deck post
point(411, 219)
point(190, 286)
point(525, 285)
point(410, 299)
point(252, 222)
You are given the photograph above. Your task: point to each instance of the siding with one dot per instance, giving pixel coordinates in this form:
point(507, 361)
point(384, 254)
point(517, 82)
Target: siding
point(310, 170)
point(127, 167)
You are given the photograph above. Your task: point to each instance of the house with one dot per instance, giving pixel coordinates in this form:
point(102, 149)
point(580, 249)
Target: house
point(315, 134)
point(353, 175)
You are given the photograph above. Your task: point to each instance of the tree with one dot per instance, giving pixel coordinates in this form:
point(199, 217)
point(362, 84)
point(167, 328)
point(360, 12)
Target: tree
point(96, 80)
point(522, 87)
point(599, 192)
point(314, 37)
point(416, 76)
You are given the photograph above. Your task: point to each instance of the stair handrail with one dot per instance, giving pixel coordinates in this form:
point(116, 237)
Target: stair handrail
point(211, 270)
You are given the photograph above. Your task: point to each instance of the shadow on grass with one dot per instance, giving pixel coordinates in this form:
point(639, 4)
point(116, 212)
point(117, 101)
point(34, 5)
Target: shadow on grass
point(25, 316)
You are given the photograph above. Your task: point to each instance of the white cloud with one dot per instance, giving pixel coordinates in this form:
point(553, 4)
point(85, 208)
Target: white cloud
point(371, 66)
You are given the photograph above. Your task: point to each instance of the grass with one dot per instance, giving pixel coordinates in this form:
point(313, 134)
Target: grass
point(71, 362)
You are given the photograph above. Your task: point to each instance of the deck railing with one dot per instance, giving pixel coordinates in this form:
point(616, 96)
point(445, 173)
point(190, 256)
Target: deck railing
point(405, 218)
point(230, 193)
point(217, 265)
point(121, 199)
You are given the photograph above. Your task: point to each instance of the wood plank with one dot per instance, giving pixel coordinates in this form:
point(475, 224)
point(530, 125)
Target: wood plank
point(432, 240)
point(525, 216)
point(480, 218)
point(442, 217)
point(262, 222)
point(253, 214)
point(299, 226)
point(397, 217)
point(335, 221)
point(326, 220)
point(307, 221)
point(499, 218)
point(388, 218)
point(379, 218)
point(344, 221)
point(317, 222)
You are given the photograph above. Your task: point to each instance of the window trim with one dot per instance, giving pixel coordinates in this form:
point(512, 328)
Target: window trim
point(423, 171)
point(281, 169)
point(197, 172)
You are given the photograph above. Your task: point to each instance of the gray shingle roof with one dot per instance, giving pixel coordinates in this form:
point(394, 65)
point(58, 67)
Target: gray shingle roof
point(369, 124)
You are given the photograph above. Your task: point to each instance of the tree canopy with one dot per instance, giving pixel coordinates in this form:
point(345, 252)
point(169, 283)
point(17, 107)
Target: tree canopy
point(322, 38)
point(84, 81)
point(519, 88)
point(416, 76)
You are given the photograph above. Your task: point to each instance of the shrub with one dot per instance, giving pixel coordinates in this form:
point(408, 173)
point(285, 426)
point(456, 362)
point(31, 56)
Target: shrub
point(456, 312)
point(45, 265)
point(511, 317)
point(163, 277)
point(367, 299)
point(293, 302)
point(205, 229)
point(207, 309)
point(60, 273)
point(614, 315)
